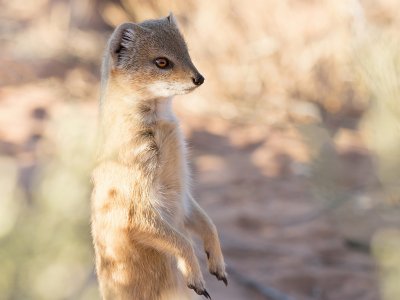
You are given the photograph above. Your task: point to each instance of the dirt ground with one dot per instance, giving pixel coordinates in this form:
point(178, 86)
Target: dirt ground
point(307, 259)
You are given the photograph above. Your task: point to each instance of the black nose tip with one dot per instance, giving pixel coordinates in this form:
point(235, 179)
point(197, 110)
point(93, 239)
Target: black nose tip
point(198, 79)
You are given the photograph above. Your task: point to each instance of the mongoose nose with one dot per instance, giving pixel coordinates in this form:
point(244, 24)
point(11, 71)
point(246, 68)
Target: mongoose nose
point(198, 79)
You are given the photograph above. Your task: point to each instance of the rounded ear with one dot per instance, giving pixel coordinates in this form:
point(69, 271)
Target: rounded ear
point(122, 42)
point(172, 20)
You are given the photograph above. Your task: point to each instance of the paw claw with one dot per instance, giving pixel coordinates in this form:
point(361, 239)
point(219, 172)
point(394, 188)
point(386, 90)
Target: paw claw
point(220, 277)
point(206, 294)
point(198, 291)
point(225, 281)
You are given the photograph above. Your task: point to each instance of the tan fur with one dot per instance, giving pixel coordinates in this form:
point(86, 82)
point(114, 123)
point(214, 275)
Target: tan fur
point(141, 203)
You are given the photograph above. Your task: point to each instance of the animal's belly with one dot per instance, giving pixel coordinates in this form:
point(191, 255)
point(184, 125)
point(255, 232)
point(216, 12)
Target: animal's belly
point(172, 186)
point(140, 273)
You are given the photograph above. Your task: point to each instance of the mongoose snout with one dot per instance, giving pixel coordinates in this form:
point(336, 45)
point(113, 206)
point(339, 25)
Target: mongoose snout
point(198, 79)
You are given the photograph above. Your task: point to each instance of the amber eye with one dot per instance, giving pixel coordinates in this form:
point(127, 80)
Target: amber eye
point(162, 62)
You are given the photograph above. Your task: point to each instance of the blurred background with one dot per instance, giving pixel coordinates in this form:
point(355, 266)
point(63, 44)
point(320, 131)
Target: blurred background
point(294, 141)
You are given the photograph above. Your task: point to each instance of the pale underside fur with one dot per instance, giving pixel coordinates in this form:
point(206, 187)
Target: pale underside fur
point(142, 207)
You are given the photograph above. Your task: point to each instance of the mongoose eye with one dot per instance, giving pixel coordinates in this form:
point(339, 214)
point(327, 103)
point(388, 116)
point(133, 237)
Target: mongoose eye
point(162, 62)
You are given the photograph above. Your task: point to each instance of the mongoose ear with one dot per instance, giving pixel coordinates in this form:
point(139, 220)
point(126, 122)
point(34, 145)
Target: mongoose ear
point(122, 43)
point(171, 19)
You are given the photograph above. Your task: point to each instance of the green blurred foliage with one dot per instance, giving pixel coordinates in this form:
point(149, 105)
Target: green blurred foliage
point(46, 250)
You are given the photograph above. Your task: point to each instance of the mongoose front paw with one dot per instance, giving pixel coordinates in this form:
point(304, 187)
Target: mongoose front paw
point(217, 268)
point(220, 277)
point(200, 291)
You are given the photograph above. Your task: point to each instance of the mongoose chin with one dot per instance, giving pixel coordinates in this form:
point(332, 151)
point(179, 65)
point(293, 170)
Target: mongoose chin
point(142, 209)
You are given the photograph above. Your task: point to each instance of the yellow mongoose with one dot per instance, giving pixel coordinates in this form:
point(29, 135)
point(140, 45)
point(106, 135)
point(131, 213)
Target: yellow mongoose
point(142, 207)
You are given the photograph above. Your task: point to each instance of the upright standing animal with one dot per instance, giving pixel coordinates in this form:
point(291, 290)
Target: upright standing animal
point(142, 208)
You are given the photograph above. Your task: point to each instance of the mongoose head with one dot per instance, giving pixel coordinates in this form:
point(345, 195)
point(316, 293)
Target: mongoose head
point(151, 59)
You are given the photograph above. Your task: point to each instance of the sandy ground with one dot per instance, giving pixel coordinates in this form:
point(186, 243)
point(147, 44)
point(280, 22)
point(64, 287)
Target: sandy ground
point(255, 213)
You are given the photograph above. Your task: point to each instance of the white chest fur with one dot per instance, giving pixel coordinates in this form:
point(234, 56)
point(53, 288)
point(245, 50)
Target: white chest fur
point(163, 110)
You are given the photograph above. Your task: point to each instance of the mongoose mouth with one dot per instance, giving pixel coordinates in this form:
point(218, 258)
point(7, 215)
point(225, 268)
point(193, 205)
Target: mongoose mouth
point(190, 89)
